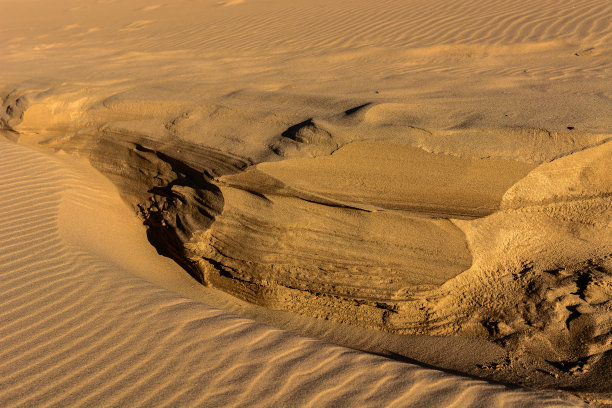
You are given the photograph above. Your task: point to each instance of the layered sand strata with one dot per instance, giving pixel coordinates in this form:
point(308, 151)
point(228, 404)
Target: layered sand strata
point(404, 166)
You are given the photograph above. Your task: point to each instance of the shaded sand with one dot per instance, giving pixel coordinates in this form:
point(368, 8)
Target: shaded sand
point(423, 180)
point(79, 327)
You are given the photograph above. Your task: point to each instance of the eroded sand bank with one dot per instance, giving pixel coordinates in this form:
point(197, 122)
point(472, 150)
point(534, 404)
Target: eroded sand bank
point(371, 174)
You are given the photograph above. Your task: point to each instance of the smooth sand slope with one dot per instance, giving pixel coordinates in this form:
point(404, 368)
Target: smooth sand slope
point(425, 180)
point(80, 328)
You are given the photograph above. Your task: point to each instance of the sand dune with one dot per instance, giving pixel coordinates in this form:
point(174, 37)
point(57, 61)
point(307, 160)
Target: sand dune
point(79, 327)
point(428, 181)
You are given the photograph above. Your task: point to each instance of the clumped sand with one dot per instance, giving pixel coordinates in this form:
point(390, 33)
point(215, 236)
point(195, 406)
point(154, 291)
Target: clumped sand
point(305, 203)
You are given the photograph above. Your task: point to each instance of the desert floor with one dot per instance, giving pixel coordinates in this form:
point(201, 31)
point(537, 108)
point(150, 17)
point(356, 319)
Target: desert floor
point(305, 203)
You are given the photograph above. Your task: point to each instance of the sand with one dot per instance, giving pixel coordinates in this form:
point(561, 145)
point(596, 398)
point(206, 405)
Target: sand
point(305, 203)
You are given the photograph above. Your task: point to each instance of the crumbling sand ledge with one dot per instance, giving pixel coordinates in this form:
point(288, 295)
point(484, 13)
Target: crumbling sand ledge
point(81, 327)
point(402, 167)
